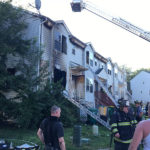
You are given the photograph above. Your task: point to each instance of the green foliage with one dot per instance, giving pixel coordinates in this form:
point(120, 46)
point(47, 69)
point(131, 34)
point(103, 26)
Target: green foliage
point(131, 74)
point(134, 73)
point(95, 142)
point(34, 92)
point(53, 95)
point(37, 105)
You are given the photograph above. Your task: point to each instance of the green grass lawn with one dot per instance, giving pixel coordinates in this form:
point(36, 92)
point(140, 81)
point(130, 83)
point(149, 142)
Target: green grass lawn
point(95, 142)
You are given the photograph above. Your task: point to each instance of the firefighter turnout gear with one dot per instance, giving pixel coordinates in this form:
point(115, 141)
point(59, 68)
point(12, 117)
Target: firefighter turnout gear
point(123, 124)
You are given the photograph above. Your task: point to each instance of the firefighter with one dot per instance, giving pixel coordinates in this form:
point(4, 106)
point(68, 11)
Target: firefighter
point(122, 125)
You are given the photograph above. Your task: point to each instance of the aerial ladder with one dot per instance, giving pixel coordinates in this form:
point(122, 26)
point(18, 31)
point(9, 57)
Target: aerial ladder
point(79, 5)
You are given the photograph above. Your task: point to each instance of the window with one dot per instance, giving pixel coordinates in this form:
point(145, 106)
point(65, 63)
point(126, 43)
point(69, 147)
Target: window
point(73, 51)
point(95, 63)
point(109, 71)
point(57, 43)
point(91, 62)
point(91, 59)
point(109, 68)
point(89, 85)
point(11, 71)
point(96, 86)
point(87, 57)
point(60, 43)
point(116, 72)
point(64, 44)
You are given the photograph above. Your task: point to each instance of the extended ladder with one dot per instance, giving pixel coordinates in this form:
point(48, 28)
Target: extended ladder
point(79, 5)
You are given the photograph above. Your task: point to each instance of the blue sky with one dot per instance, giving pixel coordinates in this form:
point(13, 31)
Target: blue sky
point(108, 39)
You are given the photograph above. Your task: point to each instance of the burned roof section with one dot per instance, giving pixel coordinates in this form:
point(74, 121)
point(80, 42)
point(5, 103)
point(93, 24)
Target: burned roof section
point(77, 42)
point(100, 57)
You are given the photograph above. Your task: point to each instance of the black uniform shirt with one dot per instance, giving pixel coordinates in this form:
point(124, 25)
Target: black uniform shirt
point(52, 130)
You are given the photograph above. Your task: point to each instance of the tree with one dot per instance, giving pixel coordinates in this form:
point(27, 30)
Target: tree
point(18, 74)
point(11, 45)
point(134, 73)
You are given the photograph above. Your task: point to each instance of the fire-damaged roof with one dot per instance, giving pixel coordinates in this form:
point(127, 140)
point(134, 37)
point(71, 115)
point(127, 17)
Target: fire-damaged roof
point(77, 42)
point(100, 57)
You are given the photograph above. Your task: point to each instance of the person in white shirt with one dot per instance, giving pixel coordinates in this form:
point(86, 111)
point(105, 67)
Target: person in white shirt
point(142, 132)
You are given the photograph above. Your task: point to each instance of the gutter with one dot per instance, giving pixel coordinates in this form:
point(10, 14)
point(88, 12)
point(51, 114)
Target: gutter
point(40, 41)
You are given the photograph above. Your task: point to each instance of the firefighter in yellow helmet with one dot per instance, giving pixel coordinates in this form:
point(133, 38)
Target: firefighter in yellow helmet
point(122, 125)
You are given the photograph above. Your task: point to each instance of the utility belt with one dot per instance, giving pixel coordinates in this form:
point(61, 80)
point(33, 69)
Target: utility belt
point(50, 147)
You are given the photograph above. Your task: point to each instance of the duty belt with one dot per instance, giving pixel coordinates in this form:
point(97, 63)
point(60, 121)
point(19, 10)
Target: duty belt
point(50, 147)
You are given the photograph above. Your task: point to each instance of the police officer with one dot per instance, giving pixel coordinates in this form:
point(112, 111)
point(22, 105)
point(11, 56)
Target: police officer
point(122, 125)
point(51, 131)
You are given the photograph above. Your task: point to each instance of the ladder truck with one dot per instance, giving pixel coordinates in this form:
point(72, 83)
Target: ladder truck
point(79, 5)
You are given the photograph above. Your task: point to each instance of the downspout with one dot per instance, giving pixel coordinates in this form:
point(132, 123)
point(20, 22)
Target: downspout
point(52, 54)
point(40, 41)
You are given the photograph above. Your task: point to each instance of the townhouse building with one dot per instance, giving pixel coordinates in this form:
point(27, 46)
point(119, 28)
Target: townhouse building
point(86, 75)
point(140, 87)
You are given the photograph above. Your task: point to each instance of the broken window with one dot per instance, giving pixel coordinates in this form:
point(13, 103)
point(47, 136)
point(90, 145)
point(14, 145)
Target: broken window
point(60, 75)
point(64, 44)
point(57, 43)
point(12, 71)
point(60, 43)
